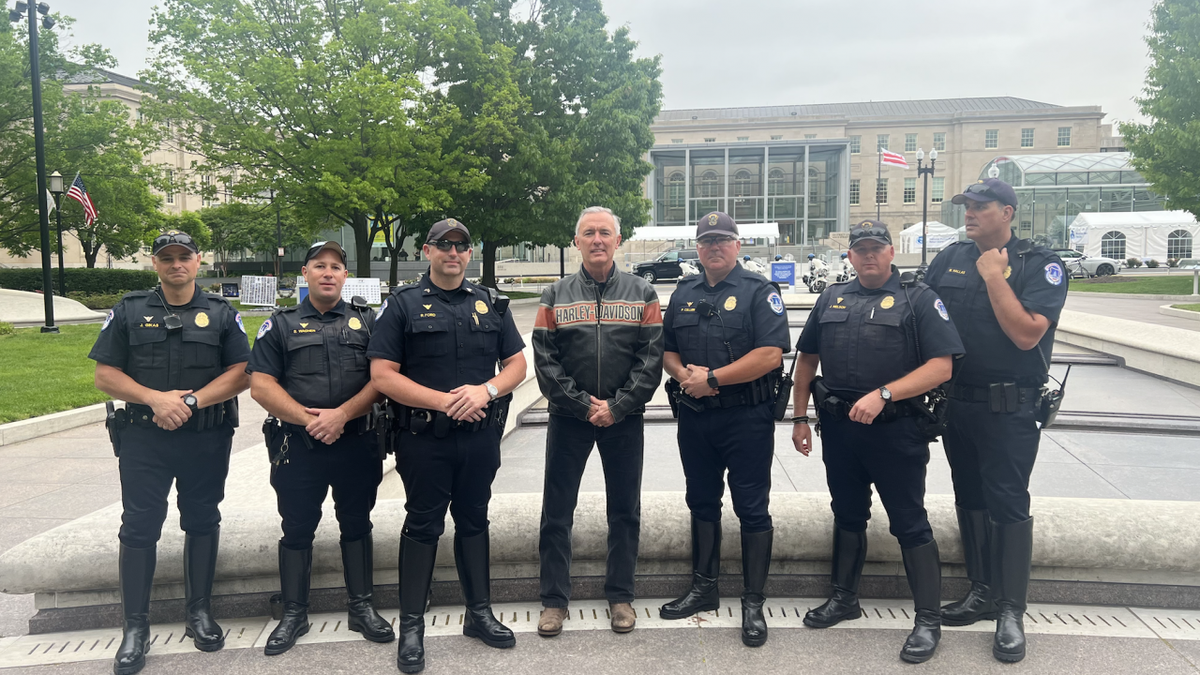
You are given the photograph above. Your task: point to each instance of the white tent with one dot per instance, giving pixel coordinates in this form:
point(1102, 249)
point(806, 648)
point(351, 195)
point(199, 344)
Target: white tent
point(940, 236)
point(1138, 234)
point(768, 231)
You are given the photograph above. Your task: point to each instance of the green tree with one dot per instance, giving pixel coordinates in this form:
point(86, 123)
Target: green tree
point(237, 227)
point(321, 101)
point(1166, 150)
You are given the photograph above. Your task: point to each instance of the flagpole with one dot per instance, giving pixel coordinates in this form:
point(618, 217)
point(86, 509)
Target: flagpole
point(879, 161)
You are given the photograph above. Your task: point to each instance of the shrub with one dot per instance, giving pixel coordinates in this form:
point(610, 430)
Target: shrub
point(97, 281)
point(1172, 262)
point(6, 328)
point(1151, 263)
point(96, 300)
point(1133, 263)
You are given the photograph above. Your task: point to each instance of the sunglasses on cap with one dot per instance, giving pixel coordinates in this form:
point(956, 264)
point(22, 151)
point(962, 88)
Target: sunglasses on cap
point(870, 232)
point(985, 191)
point(447, 244)
point(173, 238)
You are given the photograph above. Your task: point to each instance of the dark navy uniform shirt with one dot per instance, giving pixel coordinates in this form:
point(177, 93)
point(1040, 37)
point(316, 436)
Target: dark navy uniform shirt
point(319, 359)
point(750, 315)
point(865, 336)
point(1039, 281)
point(444, 339)
point(135, 339)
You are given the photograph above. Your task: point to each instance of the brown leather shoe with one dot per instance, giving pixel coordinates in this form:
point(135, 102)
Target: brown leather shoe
point(623, 617)
point(551, 621)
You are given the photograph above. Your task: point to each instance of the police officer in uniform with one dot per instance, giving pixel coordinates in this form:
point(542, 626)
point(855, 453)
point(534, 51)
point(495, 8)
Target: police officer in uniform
point(725, 332)
point(309, 370)
point(1005, 295)
point(882, 344)
point(176, 356)
point(434, 353)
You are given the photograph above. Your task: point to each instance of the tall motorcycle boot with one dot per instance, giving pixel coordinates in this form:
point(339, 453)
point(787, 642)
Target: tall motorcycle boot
point(849, 554)
point(416, 575)
point(358, 567)
point(978, 604)
point(472, 556)
point(703, 596)
point(295, 572)
point(756, 563)
point(136, 567)
point(199, 568)
point(1010, 565)
point(924, 570)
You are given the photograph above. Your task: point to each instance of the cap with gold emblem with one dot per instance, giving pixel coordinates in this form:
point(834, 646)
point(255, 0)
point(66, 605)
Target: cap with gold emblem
point(716, 223)
point(442, 227)
point(870, 230)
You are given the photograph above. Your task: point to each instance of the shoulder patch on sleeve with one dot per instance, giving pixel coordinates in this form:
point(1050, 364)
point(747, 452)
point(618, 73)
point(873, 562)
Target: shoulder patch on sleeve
point(238, 318)
point(107, 321)
point(382, 309)
point(263, 329)
point(776, 303)
point(941, 309)
point(1054, 274)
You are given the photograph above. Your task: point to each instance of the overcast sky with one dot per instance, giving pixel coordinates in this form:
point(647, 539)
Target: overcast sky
point(725, 53)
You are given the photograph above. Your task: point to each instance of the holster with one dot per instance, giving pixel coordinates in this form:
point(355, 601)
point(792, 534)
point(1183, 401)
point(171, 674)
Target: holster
point(676, 394)
point(1048, 405)
point(115, 420)
point(381, 414)
point(672, 389)
point(932, 420)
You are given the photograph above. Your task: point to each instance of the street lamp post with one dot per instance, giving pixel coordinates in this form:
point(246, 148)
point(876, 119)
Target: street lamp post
point(56, 189)
point(39, 142)
point(925, 172)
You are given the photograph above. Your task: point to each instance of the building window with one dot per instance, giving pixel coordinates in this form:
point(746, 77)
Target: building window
point(677, 141)
point(991, 138)
point(910, 190)
point(1179, 244)
point(881, 142)
point(743, 184)
point(939, 141)
point(743, 138)
point(855, 145)
point(710, 140)
point(676, 190)
point(1064, 137)
point(775, 182)
point(881, 190)
point(205, 190)
point(810, 135)
point(1112, 245)
point(710, 185)
point(777, 137)
point(1027, 138)
point(939, 189)
point(170, 187)
point(910, 142)
point(854, 191)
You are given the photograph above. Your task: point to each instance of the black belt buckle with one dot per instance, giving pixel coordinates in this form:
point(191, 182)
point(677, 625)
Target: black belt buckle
point(1003, 397)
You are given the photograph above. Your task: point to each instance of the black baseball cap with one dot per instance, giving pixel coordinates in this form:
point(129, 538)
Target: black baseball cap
point(441, 227)
point(174, 238)
point(315, 250)
point(870, 230)
point(716, 223)
point(988, 190)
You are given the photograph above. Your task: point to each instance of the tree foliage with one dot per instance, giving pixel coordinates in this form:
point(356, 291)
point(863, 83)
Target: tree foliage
point(1166, 150)
point(239, 226)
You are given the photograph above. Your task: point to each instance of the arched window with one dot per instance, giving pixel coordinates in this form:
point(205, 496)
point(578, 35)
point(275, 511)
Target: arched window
point(676, 190)
point(775, 182)
point(709, 185)
point(743, 184)
point(1112, 245)
point(1179, 244)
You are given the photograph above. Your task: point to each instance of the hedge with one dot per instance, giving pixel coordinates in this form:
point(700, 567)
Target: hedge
point(92, 281)
point(96, 300)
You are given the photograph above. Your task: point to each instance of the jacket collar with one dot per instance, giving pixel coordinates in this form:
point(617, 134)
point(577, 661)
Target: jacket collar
point(199, 299)
point(308, 310)
point(583, 273)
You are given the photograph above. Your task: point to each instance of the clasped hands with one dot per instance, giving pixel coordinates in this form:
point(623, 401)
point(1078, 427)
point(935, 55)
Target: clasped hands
point(696, 382)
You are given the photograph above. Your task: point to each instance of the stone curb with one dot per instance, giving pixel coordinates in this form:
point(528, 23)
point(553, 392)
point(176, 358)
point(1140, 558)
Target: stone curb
point(1168, 352)
point(1180, 313)
point(1131, 296)
point(23, 430)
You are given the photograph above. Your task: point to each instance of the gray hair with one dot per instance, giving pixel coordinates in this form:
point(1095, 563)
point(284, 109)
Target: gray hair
point(597, 209)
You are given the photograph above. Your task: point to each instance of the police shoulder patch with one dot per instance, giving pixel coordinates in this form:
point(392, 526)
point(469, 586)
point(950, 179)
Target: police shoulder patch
point(382, 309)
point(941, 309)
point(776, 303)
point(263, 329)
point(107, 320)
point(1054, 274)
point(238, 319)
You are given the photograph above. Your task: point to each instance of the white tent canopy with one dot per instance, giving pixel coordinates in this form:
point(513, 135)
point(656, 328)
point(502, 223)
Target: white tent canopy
point(768, 231)
point(1138, 234)
point(940, 236)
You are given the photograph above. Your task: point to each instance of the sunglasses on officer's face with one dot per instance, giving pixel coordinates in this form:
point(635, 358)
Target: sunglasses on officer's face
point(447, 244)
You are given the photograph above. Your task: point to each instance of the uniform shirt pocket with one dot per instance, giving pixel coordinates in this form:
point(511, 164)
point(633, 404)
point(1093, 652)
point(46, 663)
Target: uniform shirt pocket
point(148, 348)
point(306, 353)
point(484, 337)
point(353, 349)
point(428, 337)
point(201, 348)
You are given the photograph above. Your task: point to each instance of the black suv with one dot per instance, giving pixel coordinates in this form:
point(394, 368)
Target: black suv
point(666, 266)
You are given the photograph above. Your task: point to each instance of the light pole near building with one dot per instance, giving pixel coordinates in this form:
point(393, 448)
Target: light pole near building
point(56, 188)
point(39, 144)
point(925, 172)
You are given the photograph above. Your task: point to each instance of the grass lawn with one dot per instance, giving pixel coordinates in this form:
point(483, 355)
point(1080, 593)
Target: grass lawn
point(1180, 284)
point(1190, 308)
point(43, 374)
point(520, 295)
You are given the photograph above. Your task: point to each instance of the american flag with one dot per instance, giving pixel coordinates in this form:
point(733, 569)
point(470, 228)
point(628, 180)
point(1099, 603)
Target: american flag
point(892, 159)
point(80, 194)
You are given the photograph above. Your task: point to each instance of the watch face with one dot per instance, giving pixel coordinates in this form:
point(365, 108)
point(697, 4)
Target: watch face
point(885, 393)
point(189, 400)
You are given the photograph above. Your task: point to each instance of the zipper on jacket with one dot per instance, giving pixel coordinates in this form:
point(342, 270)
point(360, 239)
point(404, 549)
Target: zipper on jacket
point(599, 305)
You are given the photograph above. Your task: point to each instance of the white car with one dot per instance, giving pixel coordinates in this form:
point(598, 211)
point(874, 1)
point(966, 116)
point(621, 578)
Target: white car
point(1091, 266)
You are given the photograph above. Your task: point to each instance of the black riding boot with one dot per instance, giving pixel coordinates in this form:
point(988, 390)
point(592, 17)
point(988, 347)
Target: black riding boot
point(136, 567)
point(472, 556)
point(1010, 566)
point(978, 604)
point(358, 566)
point(295, 571)
point(849, 554)
point(756, 563)
point(924, 571)
point(416, 574)
point(703, 596)
point(199, 567)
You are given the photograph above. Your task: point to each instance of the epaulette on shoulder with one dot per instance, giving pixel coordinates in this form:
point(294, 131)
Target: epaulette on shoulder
point(284, 310)
point(217, 296)
point(138, 294)
point(404, 287)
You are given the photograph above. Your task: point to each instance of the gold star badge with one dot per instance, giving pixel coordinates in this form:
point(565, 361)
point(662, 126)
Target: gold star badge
point(201, 319)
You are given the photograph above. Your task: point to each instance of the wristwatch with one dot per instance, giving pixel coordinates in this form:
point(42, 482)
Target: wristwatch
point(712, 379)
point(885, 394)
point(492, 391)
point(191, 402)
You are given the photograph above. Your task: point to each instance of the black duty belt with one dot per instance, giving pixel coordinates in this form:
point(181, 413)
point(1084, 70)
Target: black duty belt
point(974, 394)
point(753, 393)
point(422, 420)
point(203, 419)
point(357, 426)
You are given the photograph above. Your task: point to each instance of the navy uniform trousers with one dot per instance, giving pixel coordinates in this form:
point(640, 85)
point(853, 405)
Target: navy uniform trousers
point(741, 440)
point(991, 458)
point(454, 472)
